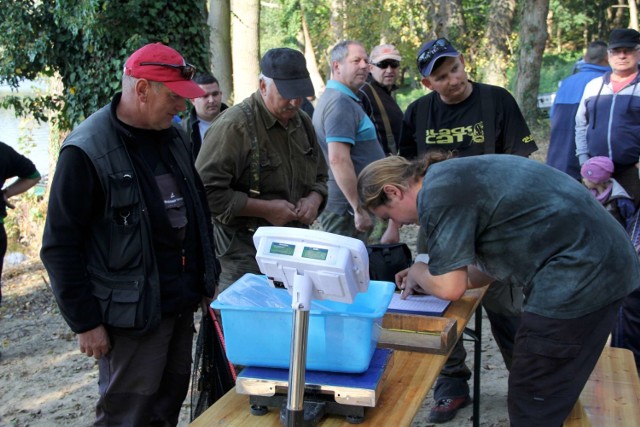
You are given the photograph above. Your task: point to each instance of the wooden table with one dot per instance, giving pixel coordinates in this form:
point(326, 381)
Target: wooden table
point(405, 388)
point(611, 396)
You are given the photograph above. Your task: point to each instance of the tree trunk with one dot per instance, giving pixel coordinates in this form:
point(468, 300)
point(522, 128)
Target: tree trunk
point(533, 36)
point(310, 56)
point(245, 48)
point(495, 52)
point(337, 19)
point(220, 42)
point(633, 15)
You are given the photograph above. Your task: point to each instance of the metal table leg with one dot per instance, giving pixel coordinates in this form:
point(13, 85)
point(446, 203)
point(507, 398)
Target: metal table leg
point(476, 336)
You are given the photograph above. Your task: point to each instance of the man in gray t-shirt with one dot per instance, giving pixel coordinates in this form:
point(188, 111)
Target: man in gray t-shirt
point(544, 233)
point(348, 140)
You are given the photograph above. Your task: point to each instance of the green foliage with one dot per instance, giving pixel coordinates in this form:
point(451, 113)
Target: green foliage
point(283, 24)
point(406, 95)
point(85, 43)
point(25, 223)
point(555, 67)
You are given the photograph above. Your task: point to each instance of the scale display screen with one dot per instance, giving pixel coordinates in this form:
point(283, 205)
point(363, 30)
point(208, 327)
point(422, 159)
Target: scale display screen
point(282, 249)
point(315, 253)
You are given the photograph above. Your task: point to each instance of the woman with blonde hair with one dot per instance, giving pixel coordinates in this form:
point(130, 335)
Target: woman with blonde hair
point(508, 218)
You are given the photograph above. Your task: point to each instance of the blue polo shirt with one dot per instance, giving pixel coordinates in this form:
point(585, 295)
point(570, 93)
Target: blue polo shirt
point(340, 118)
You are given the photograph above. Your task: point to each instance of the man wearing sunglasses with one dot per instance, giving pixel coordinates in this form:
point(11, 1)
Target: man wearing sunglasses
point(469, 119)
point(205, 109)
point(377, 95)
point(127, 241)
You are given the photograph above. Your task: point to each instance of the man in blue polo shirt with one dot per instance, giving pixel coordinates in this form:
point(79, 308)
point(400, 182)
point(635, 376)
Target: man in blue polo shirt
point(348, 140)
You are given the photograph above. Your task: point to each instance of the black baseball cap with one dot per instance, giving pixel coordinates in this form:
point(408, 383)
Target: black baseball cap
point(288, 69)
point(624, 37)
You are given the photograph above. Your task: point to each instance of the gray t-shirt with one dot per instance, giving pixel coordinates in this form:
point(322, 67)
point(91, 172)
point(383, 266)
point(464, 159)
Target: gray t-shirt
point(339, 118)
point(530, 225)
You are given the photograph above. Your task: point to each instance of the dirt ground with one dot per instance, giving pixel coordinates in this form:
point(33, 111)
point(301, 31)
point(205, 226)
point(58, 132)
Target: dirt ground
point(45, 380)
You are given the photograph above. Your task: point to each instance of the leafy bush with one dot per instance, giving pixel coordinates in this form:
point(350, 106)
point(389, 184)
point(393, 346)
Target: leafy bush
point(24, 224)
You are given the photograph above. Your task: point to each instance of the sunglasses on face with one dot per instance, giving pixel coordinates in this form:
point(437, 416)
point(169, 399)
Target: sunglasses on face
point(438, 46)
point(386, 64)
point(187, 71)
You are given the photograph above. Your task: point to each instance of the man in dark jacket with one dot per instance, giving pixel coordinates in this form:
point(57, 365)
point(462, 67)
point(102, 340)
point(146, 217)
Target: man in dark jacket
point(13, 164)
point(562, 144)
point(205, 109)
point(377, 98)
point(127, 241)
point(607, 121)
point(261, 164)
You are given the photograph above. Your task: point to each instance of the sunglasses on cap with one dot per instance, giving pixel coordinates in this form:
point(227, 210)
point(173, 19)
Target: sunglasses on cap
point(187, 71)
point(387, 63)
point(438, 46)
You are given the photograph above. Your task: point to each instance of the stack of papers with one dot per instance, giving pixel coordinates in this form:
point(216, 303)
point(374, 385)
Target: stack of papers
point(426, 305)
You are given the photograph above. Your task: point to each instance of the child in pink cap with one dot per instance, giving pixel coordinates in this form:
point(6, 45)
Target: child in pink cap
point(596, 176)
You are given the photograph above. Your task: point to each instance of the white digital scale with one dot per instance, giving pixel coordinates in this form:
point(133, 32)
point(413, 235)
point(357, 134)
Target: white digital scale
point(312, 264)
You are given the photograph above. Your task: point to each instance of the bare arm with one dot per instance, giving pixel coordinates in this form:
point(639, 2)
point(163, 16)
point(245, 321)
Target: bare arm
point(345, 175)
point(19, 186)
point(450, 286)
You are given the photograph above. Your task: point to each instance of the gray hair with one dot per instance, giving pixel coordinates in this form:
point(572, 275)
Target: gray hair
point(341, 50)
point(267, 80)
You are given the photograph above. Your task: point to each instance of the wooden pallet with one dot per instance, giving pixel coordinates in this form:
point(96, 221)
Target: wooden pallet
point(424, 334)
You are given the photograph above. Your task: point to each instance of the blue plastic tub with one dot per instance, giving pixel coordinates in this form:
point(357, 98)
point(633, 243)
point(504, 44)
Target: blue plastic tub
point(342, 337)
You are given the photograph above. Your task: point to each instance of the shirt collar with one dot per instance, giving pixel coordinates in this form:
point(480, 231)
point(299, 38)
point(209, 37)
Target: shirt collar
point(268, 118)
point(334, 84)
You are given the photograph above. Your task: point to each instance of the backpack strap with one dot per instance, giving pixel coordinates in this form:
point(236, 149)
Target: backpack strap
point(385, 120)
point(254, 181)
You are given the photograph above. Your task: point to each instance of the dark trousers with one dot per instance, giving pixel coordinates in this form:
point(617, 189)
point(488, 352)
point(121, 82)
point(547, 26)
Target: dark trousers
point(144, 380)
point(552, 361)
point(453, 379)
point(627, 331)
point(3, 251)
point(503, 305)
point(627, 176)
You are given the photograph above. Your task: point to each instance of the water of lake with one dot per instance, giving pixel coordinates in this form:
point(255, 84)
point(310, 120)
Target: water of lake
point(26, 136)
point(35, 138)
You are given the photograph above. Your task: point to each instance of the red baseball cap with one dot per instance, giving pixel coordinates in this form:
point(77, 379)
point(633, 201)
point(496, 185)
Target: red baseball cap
point(160, 63)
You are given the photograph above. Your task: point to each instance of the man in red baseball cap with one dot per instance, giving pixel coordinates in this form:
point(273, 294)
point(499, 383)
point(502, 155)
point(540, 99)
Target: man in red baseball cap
point(127, 241)
point(159, 63)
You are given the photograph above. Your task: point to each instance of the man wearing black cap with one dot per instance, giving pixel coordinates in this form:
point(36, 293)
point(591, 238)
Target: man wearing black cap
point(261, 164)
point(608, 118)
point(469, 119)
point(127, 241)
point(608, 124)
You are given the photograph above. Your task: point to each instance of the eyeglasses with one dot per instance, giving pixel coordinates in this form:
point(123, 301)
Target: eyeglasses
point(425, 57)
point(187, 71)
point(623, 51)
point(387, 63)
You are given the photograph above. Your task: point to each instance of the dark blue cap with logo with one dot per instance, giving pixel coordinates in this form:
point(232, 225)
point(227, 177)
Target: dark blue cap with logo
point(431, 51)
